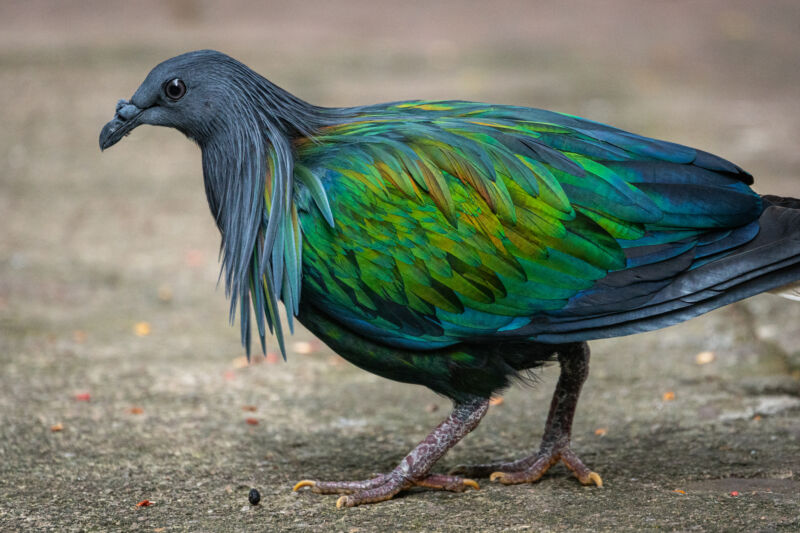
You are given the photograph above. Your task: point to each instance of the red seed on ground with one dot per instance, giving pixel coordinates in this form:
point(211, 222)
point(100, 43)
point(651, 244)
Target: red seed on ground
point(144, 503)
point(252, 421)
point(734, 493)
point(83, 396)
point(194, 258)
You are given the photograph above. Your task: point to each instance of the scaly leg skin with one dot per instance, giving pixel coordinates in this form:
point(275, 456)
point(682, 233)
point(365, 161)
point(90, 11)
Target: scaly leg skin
point(555, 446)
point(413, 470)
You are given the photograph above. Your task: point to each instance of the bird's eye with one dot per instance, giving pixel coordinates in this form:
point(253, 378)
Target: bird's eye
point(175, 89)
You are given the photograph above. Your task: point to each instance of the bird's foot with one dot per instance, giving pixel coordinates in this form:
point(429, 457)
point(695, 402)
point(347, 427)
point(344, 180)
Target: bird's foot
point(414, 469)
point(384, 487)
point(530, 469)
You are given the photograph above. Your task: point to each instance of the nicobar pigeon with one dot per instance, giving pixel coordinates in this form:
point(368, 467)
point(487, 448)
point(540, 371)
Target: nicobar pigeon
point(458, 245)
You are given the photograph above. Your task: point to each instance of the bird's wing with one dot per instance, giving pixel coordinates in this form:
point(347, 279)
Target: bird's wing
point(458, 221)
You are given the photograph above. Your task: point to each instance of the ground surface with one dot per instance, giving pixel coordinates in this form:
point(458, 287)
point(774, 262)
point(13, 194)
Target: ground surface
point(108, 267)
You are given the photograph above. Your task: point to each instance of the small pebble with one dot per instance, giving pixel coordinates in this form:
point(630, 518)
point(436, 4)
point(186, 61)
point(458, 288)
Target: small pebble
point(254, 497)
point(704, 358)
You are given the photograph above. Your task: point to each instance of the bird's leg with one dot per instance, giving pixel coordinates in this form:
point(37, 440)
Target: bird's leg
point(555, 446)
point(413, 470)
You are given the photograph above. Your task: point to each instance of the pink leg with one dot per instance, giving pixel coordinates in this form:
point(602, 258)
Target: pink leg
point(414, 469)
point(555, 446)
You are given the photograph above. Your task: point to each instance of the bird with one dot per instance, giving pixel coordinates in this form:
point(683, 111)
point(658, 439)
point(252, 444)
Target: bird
point(460, 245)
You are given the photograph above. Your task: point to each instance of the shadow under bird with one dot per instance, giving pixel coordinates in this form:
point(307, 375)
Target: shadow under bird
point(458, 245)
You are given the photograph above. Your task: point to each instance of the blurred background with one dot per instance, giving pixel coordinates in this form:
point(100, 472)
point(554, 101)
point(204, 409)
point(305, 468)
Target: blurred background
point(121, 381)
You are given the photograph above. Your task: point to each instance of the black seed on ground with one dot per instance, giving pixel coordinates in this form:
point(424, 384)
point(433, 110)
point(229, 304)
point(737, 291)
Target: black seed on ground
point(254, 496)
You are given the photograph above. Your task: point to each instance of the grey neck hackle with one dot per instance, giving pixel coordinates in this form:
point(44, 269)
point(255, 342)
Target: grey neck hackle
point(248, 168)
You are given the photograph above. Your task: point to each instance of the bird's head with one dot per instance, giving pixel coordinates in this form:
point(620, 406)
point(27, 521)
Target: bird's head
point(206, 93)
point(184, 93)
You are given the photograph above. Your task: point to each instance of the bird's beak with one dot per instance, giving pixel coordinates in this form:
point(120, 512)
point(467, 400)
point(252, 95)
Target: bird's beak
point(127, 117)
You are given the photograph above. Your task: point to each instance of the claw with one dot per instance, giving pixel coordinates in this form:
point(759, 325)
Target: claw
point(593, 477)
point(341, 502)
point(474, 484)
point(304, 483)
point(497, 476)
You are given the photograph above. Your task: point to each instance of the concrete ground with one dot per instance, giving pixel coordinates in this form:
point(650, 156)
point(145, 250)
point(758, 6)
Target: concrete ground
point(121, 381)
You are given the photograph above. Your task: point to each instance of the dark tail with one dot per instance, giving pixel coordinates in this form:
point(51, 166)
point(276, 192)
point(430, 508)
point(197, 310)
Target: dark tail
point(780, 201)
point(769, 261)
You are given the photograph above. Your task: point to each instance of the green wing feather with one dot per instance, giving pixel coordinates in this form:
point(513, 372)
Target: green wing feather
point(429, 223)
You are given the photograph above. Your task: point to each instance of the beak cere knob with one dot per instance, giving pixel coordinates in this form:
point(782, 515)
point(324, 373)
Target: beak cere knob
point(125, 119)
point(128, 111)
